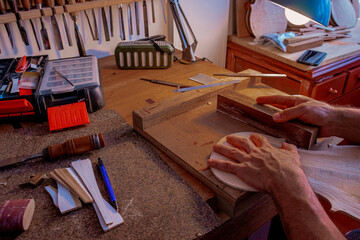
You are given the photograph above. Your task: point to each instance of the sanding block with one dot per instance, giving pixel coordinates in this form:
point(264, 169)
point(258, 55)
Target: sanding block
point(247, 110)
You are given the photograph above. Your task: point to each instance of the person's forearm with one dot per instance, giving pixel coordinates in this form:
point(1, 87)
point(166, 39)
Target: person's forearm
point(346, 124)
point(301, 213)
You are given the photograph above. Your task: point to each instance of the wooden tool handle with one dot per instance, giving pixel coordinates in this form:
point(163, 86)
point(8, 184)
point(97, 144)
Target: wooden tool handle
point(60, 2)
point(81, 1)
point(38, 2)
point(50, 3)
point(13, 6)
point(72, 2)
point(76, 146)
point(26, 4)
point(2, 7)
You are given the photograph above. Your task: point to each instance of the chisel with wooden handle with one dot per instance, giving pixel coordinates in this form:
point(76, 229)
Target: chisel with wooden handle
point(71, 147)
point(7, 27)
point(68, 36)
point(55, 26)
point(27, 7)
point(79, 40)
point(14, 8)
point(121, 23)
point(43, 32)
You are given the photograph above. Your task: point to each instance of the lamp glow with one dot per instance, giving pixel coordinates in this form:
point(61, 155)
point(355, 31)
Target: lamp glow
point(296, 18)
point(317, 10)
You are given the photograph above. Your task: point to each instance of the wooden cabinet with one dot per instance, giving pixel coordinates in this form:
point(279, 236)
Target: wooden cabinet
point(336, 80)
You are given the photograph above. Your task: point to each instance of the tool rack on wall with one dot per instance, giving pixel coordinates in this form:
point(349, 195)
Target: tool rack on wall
point(68, 8)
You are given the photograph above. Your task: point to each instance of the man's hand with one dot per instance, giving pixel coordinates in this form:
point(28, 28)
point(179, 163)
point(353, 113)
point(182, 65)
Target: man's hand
point(258, 163)
point(305, 109)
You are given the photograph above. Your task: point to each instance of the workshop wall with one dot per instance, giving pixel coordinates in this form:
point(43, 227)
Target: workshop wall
point(208, 19)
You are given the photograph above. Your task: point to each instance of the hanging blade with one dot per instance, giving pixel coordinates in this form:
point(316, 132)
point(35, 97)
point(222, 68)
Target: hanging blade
point(55, 27)
point(146, 23)
point(43, 32)
point(68, 36)
point(153, 11)
point(88, 20)
point(105, 24)
point(95, 24)
point(163, 10)
point(129, 19)
point(27, 6)
point(121, 23)
point(137, 18)
point(111, 22)
point(3, 11)
point(14, 8)
point(79, 40)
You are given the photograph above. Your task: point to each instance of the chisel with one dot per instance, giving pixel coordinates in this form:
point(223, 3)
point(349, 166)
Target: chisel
point(55, 26)
point(105, 24)
point(163, 10)
point(71, 147)
point(146, 23)
point(14, 8)
point(95, 23)
point(137, 18)
point(88, 20)
point(121, 23)
point(153, 11)
point(7, 27)
point(43, 31)
point(79, 40)
point(68, 36)
point(111, 22)
point(27, 6)
point(129, 19)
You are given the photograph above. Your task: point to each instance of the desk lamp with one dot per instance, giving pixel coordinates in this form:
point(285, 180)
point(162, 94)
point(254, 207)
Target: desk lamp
point(179, 18)
point(317, 10)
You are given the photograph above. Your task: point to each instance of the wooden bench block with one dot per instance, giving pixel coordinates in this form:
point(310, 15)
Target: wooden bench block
point(247, 110)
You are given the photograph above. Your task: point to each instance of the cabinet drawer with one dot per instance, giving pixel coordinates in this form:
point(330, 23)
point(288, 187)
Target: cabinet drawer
point(353, 80)
point(329, 89)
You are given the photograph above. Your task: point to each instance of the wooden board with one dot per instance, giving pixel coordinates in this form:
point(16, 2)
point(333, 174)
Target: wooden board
point(187, 126)
point(245, 109)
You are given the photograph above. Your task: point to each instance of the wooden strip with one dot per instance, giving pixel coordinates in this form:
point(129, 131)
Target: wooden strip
point(53, 194)
point(66, 201)
point(304, 45)
point(251, 74)
point(85, 171)
point(7, 18)
point(33, 13)
point(246, 109)
point(67, 178)
point(47, 11)
point(94, 4)
point(115, 216)
point(54, 176)
point(303, 38)
point(77, 179)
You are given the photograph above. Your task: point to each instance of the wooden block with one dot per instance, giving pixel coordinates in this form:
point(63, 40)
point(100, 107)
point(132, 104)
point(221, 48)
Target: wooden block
point(33, 13)
point(70, 182)
point(304, 45)
point(7, 18)
point(16, 215)
point(94, 4)
point(66, 201)
point(246, 109)
point(85, 171)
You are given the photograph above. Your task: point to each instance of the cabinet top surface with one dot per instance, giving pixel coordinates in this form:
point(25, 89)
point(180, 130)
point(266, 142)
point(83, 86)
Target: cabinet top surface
point(336, 50)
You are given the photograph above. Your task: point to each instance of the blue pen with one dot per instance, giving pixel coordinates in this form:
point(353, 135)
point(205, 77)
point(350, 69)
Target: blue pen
point(108, 184)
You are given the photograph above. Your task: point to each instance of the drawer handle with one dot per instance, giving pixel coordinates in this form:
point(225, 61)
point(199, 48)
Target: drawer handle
point(333, 91)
